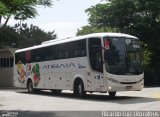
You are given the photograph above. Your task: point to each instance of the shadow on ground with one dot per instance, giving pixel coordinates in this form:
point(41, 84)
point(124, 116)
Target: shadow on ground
point(97, 97)
point(19, 113)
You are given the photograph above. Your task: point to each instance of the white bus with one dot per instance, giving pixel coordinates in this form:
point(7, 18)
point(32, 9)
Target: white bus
point(99, 62)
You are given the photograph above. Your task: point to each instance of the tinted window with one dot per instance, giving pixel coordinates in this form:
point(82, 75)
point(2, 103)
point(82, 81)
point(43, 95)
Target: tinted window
point(6, 62)
point(55, 52)
point(95, 54)
point(123, 56)
point(20, 57)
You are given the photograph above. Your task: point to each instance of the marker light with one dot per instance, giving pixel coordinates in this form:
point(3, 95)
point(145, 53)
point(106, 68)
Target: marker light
point(109, 87)
point(142, 86)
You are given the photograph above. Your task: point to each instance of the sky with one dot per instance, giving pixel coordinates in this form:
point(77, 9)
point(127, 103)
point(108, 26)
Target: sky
point(65, 17)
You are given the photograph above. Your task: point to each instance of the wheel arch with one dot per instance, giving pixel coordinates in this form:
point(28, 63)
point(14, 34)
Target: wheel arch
point(78, 78)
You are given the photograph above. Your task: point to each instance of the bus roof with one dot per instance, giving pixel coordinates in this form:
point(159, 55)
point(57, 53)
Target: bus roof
point(59, 41)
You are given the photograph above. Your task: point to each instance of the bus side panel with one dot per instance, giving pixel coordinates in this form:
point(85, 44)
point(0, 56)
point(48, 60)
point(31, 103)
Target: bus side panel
point(58, 74)
point(19, 78)
point(16, 82)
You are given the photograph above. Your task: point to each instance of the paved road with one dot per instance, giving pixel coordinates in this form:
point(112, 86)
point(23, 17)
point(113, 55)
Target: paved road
point(40, 104)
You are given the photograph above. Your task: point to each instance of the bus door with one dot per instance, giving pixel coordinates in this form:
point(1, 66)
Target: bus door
point(96, 62)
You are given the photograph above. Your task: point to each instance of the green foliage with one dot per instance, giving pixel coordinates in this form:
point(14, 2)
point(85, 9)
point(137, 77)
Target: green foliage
point(91, 29)
point(136, 17)
point(46, 3)
point(20, 9)
point(8, 36)
point(3, 8)
point(147, 55)
point(24, 36)
point(130, 16)
point(33, 35)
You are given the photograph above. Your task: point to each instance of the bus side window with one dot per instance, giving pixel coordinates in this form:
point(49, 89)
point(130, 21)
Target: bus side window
point(78, 48)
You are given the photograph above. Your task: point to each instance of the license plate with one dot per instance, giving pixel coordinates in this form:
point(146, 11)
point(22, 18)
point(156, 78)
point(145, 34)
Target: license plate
point(128, 87)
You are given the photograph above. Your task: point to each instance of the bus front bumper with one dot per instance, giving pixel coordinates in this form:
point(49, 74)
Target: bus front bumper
point(112, 86)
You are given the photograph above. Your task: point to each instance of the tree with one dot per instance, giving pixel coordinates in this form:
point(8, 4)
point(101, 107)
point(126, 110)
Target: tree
point(136, 17)
point(32, 35)
point(20, 9)
point(8, 36)
point(93, 29)
point(25, 37)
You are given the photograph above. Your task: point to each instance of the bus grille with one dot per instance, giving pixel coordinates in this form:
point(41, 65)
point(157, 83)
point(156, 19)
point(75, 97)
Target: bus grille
point(128, 82)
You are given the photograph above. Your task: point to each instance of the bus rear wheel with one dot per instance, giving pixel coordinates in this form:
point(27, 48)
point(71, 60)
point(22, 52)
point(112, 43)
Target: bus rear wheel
point(112, 94)
point(79, 89)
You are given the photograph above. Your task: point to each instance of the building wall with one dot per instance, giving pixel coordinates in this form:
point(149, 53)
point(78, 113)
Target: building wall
point(6, 77)
point(6, 67)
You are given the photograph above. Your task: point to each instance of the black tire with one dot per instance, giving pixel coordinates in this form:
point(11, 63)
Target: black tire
point(112, 94)
point(79, 89)
point(56, 91)
point(36, 90)
point(30, 87)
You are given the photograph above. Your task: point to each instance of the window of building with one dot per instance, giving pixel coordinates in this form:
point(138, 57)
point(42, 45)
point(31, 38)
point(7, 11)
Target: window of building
point(6, 62)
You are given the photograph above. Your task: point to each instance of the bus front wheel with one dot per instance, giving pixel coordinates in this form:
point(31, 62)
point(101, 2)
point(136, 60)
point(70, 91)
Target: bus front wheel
point(79, 89)
point(56, 91)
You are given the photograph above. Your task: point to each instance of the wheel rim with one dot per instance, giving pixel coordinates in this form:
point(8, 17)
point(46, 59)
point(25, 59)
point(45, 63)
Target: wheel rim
point(112, 94)
point(80, 89)
point(30, 87)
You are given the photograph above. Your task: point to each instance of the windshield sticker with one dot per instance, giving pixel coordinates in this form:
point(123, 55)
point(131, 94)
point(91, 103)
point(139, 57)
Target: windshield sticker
point(136, 46)
point(128, 41)
point(107, 44)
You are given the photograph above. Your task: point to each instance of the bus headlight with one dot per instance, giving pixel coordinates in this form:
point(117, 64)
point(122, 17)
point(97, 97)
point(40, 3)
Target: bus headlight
point(142, 86)
point(140, 80)
point(109, 87)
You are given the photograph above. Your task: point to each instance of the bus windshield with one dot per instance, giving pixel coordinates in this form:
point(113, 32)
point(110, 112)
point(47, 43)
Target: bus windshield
point(123, 56)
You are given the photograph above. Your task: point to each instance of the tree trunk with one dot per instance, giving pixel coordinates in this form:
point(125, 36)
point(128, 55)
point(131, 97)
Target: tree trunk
point(0, 21)
point(6, 22)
